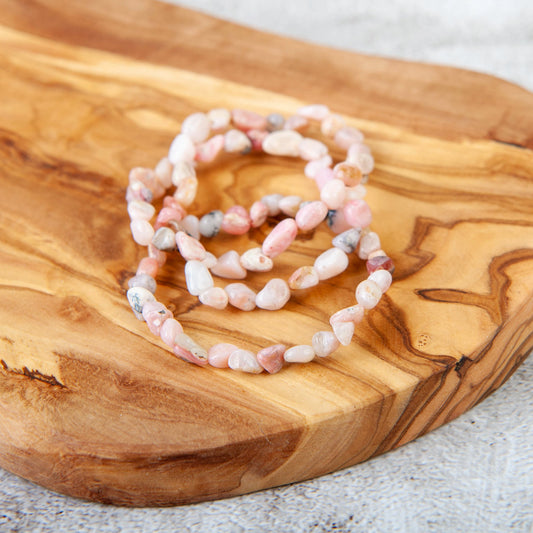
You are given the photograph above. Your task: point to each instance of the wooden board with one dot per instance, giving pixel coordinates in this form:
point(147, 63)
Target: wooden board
point(92, 405)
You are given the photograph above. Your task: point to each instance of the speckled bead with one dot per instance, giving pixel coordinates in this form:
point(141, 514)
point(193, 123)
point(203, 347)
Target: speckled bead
point(143, 280)
point(210, 223)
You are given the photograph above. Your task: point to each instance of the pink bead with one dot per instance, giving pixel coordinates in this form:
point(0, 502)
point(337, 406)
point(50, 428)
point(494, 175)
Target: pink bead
point(271, 358)
point(314, 111)
point(248, 120)
point(333, 193)
point(296, 123)
point(163, 172)
point(186, 191)
point(357, 214)
point(332, 124)
point(257, 137)
point(236, 221)
point(197, 126)
point(142, 231)
point(337, 221)
point(354, 314)
point(170, 201)
point(381, 262)
point(280, 238)
point(311, 149)
point(323, 176)
point(356, 149)
point(229, 266)
point(190, 248)
point(209, 150)
point(347, 136)
point(218, 354)
point(168, 214)
point(258, 214)
point(187, 349)
point(311, 215)
point(149, 266)
point(155, 314)
point(158, 255)
point(169, 330)
point(215, 297)
point(349, 174)
point(365, 162)
point(240, 296)
point(146, 176)
point(312, 168)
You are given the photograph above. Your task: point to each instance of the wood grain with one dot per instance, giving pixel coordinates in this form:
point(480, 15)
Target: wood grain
point(92, 405)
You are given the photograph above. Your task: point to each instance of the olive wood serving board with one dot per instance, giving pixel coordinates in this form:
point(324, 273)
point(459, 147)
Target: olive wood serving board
point(92, 405)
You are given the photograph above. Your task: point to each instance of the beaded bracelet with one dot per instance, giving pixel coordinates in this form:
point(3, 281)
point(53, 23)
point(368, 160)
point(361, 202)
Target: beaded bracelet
point(260, 133)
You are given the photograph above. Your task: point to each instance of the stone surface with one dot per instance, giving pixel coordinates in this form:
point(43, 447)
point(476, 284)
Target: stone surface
point(274, 295)
point(271, 358)
point(229, 266)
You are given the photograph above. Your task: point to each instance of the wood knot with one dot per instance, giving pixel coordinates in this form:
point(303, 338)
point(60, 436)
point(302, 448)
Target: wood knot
point(423, 340)
point(74, 309)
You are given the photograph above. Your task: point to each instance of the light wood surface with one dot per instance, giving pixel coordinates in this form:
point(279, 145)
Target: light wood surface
point(90, 402)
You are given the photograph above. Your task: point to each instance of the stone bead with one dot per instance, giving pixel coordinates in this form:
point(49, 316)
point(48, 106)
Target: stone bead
point(181, 149)
point(155, 314)
point(244, 361)
point(354, 314)
point(363, 161)
point(302, 353)
point(209, 260)
point(324, 343)
point(280, 238)
point(236, 141)
point(337, 221)
point(164, 240)
point(356, 149)
point(303, 278)
point(142, 231)
point(271, 358)
point(331, 124)
point(289, 205)
point(355, 193)
point(368, 294)
point(274, 295)
point(190, 350)
point(170, 201)
point(376, 253)
point(197, 126)
point(347, 240)
point(143, 280)
point(382, 278)
point(163, 172)
point(197, 277)
point(248, 120)
point(215, 297)
point(368, 243)
point(311, 149)
point(137, 209)
point(314, 111)
point(190, 249)
point(323, 176)
point(158, 255)
point(229, 266)
point(344, 332)
point(169, 330)
point(296, 123)
point(381, 262)
point(148, 266)
point(210, 223)
point(182, 170)
point(333, 194)
point(143, 175)
point(311, 215)
point(241, 296)
point(139, 191)
point(347, 136)
point(209, 150)
point(190, 225)
point(258, 214)
point(255, 260)
point(186, 191)
point(282, 143)
point(275, 122)
point(357, 213)
point(218, 354)
point(137, 297)
point(257, 137)
point(349, 174)
point(168, 215)
point(219, 118)
point(311, 169)
point(236, 221)
point(272, 203)
point(331, 263)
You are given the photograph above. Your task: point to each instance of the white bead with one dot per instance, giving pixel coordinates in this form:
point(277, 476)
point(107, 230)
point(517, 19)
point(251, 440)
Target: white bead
point(324, 343)
point(290, 204)
point(274, 296)
point(215, 297)
point(272, 203)
point(368, 294)
point(333, 193)
point(197, 277)
point(197, 127)
point(382, 278)
point(182, 170)
point(314, 111)
point(344, 332)
point(219, 118)
point(210, 260)
point(244, 361)
point(137, 297)
point(141, 210)
point(369, 243)
point(255, 260)
point(142, 231)
point(283, 142)
point(331, 263)
point(191, 226)
point(184, 341)
point(181, 149)
point(302, 353)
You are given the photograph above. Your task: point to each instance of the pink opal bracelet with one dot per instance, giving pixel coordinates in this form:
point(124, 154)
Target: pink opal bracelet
point(341, 203)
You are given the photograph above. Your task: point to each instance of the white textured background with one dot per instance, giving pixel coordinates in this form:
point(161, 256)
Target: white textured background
point(473, 475)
